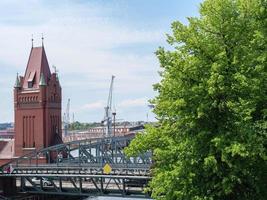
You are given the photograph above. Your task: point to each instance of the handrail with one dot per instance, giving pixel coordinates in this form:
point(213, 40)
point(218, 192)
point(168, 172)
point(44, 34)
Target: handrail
point(93, 141)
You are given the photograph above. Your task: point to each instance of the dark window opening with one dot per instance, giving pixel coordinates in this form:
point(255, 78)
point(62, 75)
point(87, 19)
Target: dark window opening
point(30, 84)
point(31, 79)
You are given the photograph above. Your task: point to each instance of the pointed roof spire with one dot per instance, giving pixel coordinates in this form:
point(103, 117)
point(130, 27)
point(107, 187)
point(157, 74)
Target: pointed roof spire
point(37, 64)
point(17, 83)
point(42, 39)
point(32, 40)
point(42, 80)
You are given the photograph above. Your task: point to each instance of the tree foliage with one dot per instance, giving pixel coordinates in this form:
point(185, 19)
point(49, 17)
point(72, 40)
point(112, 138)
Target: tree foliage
point(210, 142)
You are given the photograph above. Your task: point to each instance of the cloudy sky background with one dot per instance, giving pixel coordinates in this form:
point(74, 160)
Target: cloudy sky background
point(88, 41)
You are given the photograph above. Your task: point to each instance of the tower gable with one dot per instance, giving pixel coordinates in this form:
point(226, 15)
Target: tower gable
point(37, 65)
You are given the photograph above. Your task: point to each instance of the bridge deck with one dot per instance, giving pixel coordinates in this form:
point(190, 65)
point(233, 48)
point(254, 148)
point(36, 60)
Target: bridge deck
point(77, 168)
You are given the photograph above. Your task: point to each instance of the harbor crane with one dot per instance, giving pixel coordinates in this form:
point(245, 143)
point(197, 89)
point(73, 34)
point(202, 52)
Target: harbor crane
point(67, 118)
point(108, 112)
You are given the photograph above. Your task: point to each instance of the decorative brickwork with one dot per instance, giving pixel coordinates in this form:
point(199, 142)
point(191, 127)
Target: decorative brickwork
point(37, 103)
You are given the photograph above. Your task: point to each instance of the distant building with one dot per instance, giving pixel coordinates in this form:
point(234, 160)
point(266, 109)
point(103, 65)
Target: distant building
point(98, 132)
point(4, 126)
point(7, 134)
point(37, 105)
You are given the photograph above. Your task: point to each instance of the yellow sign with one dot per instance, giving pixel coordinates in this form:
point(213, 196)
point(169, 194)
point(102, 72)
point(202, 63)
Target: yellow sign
point(107, 169)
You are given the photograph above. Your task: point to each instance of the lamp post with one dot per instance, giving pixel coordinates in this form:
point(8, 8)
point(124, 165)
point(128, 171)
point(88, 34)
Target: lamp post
point(114, 123)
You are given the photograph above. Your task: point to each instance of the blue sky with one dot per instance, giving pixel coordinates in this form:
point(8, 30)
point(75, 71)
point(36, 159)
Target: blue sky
point(89, 41)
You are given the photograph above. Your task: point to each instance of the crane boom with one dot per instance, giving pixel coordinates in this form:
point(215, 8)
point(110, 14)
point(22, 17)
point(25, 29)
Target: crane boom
point(108, 113)
point(109, 103)
point(67, 118)
point(68, 112)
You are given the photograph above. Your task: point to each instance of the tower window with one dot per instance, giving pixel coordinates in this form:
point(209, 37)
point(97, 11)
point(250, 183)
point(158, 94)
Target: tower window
point(30, 84)
point(31, 79)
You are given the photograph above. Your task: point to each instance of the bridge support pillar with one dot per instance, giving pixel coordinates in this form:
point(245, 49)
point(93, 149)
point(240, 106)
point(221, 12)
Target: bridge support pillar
point(123, 187)
point(8, 185)
point(80, 185)
point(102, 184)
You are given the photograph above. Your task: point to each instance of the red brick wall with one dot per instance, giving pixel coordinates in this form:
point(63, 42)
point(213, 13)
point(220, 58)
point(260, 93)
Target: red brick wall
point(4, 161)
point(37, 116)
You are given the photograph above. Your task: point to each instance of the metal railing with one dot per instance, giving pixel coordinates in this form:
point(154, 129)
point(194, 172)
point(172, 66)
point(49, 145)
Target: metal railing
point(77, 167)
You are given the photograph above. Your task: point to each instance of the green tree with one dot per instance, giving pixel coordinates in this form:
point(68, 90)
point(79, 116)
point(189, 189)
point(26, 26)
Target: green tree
point(210, 141)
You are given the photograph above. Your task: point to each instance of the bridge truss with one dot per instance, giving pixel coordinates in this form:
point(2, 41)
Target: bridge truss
point(86, 168)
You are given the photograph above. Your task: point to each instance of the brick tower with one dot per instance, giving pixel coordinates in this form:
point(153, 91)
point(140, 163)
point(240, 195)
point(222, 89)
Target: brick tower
point(37, 105)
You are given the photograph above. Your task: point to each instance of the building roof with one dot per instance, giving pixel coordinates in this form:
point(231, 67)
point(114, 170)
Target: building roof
point(37, 65)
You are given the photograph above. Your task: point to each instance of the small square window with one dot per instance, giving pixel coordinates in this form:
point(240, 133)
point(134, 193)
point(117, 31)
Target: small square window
point(30, 85)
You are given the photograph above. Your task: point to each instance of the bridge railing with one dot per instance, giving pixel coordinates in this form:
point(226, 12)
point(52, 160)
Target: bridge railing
point(84, 156)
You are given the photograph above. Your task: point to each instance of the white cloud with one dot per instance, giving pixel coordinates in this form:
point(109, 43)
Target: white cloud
point(80, 39)
point(74, 39)
point(127, 103)
point(87, 47)
point(133, 102)
point(94, 105)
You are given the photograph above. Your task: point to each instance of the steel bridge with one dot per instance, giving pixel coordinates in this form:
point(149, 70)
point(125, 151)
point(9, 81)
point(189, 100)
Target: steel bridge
point(91, 167)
